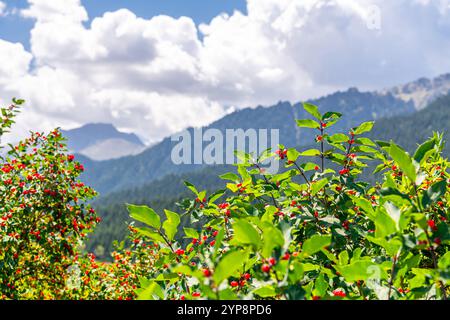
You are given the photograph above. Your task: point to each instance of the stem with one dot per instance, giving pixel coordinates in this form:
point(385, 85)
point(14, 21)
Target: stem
point(267, 182)
point(322, 146)
point(391, 280)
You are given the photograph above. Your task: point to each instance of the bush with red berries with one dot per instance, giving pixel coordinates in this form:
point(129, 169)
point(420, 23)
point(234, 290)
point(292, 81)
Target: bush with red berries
point(43, 214)
point(313, 231)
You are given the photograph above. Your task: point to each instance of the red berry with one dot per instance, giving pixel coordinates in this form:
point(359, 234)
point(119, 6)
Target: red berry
point(339, 293)
point(234, 283)
point(247, 276)
point(265, 268)
point(272, 261)
point(206, 272)
point(432, 225)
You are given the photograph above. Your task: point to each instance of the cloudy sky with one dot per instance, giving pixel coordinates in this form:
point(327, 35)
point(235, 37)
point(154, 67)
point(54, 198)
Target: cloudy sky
point(156, 67)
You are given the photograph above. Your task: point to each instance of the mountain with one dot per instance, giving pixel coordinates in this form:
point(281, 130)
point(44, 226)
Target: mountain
point(410, 130)
point(100, 141)
point(155, 162)
point(422, 91)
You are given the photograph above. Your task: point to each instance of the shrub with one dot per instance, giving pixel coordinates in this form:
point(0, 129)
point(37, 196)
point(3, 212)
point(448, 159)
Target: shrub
point(43, 214)
point(310, 232)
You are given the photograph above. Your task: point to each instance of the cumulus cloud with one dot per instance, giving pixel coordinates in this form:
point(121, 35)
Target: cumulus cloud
point(157, 76)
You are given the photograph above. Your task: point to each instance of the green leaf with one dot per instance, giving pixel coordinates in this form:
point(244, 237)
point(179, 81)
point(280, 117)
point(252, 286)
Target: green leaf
point(403, 160)
point(219, 238)
point(363, 127)
point(307, 124)
point(151, 292)
point(170, 226)
point(191, 187)
point(245, 233)
point(191, 233)
point(272, 238)
point(293, 154)
point(230, 263)
point(423, 149)
point(145, 214)
point(320, 285)
point(150, 234)
point(310, 153)
point(366, 205)
point(337, 138)
point(358, 270)
point(317, 186)
point(312, 110)
point(365, 142)
point(343, 257)
point(384, 224)
point(230, 176)
point(315, 244)
point(216, 195)
point(265, 292)
point(444, 261)
point(436, 191)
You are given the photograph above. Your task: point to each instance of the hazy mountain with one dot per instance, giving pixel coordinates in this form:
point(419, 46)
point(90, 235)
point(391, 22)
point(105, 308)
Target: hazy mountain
point(422, 91)
point(99, 141)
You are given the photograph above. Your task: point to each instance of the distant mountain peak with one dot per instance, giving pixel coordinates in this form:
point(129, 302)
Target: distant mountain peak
point(422, 91)
point(97, 141)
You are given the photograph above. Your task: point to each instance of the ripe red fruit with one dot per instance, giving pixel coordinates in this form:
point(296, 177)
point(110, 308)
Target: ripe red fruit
point(272, 261)
point(286, 256)
point(247, 276)
point(438, 241)
point(196, 294)
point(432, 225)
point(206, 272)
point(242, 283)
point(316, 168)
point(215, 233)
point(339, 293)
point(265, 268)
point(344, 171)
point(234, 283)
point(212, 243)
point(179, 252)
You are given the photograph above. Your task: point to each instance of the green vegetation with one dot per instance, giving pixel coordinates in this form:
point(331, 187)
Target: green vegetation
point(316, 230)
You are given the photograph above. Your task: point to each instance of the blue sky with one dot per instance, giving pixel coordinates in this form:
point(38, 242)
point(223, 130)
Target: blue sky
point(16, 29)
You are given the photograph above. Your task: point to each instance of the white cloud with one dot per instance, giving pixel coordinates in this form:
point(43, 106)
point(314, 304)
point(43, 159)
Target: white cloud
point(155, 76)
point(2, 8)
